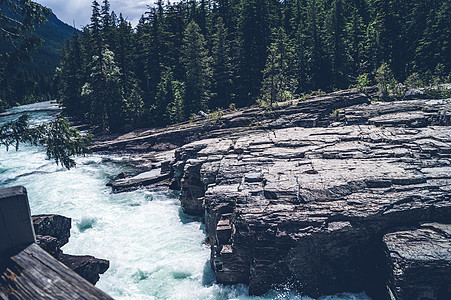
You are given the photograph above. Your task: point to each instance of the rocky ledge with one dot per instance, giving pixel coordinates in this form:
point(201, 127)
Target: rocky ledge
point(311, 195)
point(419, 262)
point(53, 232)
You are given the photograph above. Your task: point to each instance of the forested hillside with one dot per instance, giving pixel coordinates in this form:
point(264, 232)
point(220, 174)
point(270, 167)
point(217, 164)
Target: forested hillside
point(204, 55)
point(27, 70)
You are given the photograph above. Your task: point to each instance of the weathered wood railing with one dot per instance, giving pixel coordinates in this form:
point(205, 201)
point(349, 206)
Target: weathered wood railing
point(26, 271)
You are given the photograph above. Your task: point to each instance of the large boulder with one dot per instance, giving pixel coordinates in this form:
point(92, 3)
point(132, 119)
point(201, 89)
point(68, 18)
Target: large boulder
point(419, 262)
point(53, 225)
point(87, 267)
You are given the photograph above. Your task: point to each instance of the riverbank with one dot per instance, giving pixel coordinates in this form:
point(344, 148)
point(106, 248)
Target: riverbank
point(310, 194)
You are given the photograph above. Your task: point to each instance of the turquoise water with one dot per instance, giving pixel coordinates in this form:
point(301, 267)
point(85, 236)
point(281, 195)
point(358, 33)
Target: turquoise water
point(155, 250)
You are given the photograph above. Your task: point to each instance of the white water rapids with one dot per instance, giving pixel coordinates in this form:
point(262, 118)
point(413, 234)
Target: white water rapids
point(155, 250)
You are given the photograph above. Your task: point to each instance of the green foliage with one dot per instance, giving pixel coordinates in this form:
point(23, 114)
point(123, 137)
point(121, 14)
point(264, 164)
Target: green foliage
point(363, 81)
point(216, 115)
point(222, 83)
point(61, 141)
point(278, 82)
point(203, 55)
point(197, 69)
point(175, 108)
point(385, 80)
point(414, 81)
point(169, 101)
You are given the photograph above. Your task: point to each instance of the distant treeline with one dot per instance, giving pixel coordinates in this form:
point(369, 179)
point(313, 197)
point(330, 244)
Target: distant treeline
point(204, 55)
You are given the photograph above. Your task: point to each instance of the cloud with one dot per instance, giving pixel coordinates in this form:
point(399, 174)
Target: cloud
point(79, 11)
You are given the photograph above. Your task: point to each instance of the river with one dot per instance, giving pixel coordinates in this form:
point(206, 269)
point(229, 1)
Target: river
point(155, 250)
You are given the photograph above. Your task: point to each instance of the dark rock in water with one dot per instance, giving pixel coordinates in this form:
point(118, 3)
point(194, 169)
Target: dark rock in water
point(50, 244)
point(420, 262)
point(87, 267)
point(52, 232)
point(53, 225)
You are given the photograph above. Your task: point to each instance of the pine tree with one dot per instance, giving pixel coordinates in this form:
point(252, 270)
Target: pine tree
point(175, 108)
point(96, 30)
point(355, 42)
point(72, 79)
point(104, 92)
point(254, 28)
point(382, 37)
point(316, 61)
point(107, 25)
point(123, 53)
point(336, 44)
point(278, 80)
point(169, 101)
point(197, 70)
point(222, 67)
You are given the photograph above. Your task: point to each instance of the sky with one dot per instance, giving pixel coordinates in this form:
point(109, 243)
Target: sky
point(79, 11)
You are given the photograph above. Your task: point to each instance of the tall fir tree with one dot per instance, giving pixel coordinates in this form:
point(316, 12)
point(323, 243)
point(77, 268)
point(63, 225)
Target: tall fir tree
point(254, 29)
point(336, 30)
point(197, 64)
point(222, 89)
point(279, 83)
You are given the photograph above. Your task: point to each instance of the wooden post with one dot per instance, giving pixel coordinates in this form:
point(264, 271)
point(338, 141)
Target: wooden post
point(16, 228)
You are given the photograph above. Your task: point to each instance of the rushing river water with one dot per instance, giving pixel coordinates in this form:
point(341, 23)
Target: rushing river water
point(155, 250)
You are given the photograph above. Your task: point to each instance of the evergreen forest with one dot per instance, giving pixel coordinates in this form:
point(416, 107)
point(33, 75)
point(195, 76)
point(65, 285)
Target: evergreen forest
point(191, 56)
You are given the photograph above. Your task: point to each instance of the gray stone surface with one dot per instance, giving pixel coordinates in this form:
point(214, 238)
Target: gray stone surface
point(301, 196)
point(306, 206)
point(53, 225)
point(151, 177)
point(420, 262)
point(315, 111)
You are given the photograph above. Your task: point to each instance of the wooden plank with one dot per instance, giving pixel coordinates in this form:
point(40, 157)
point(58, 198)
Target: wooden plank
point(34, 274)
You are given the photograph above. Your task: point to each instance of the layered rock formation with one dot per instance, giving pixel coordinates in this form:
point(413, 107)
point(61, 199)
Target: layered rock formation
point(302, 196)
point(53, 232)
point(419, 261)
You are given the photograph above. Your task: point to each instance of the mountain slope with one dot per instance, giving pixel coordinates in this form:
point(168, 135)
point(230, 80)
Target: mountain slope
point(31, 80)
point(53, 34)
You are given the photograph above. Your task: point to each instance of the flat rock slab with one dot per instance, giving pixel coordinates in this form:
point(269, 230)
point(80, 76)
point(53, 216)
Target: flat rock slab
point(420, 262)
point(143, 179)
